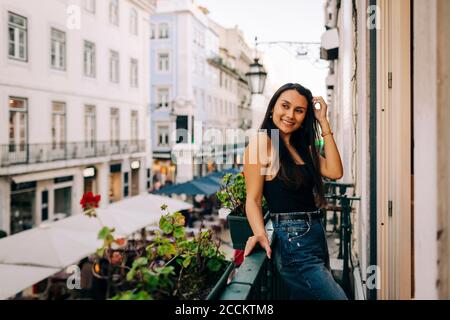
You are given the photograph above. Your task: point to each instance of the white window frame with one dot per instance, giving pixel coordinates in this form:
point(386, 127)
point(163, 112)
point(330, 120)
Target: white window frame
point(115, 126)
point(134, 73)
point(58, 49)
point(162, 66)
point(89, 59)
point(114, 12)
point(114, 66)
point(163, 102)
point(163, 130)
point(163, 30)
point(134, 126)
point(59, 120)
point(18, 30)
point(90, 132)
point(133, 21)
point(19, 141)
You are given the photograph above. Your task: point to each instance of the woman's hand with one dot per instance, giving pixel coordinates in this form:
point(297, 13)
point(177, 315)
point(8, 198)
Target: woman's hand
point(320, 114)
point(262, 240)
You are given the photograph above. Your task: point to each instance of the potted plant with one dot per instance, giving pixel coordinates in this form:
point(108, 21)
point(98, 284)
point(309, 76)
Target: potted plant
point(232, 195)
point(171, 266)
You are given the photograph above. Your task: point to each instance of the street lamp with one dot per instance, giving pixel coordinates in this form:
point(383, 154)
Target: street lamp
point(256, 77)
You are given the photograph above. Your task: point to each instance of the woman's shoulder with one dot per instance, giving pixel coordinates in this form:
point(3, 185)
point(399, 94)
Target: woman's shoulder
point(260, 139)
point(259, 149)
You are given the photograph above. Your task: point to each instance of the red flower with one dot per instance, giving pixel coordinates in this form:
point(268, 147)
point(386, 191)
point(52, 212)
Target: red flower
point(90, 201)
point(238, 257)
point(120, 242)
point(116, 258)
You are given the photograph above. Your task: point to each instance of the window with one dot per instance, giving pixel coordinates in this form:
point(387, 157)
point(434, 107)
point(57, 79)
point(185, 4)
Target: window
point(114, 66)
point(152, 31)
point(58, 125)
point(134, 73)
point(163, 136)
point(133, 21)
point(163, 31)
point(58, 49)
point(114, 12)
point(182, 129)
point(134, 127)
point(115, 127)
point(163, 62)
point(18, 124)
point(17, 33)
point(89, 126)
point(126, 184)
point(89, 59)
point(89, 6)
point(163, 97)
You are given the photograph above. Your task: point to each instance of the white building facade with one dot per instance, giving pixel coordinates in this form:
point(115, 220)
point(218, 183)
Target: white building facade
point(74, 86)
point(196, 86)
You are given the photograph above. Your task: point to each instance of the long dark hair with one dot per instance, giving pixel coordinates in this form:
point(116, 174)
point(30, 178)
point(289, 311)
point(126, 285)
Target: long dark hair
point(302, 140)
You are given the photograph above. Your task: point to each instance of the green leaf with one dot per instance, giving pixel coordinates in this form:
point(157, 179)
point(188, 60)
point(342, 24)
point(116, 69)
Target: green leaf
point(166, 227)
point(167, 270)
point(130, 295)
point(100, 252)
point(166, 250)
point(103, 233)
point(187, 261)
point(214, 265)
point(140, 262)
point(179, 232)
point(131, 274)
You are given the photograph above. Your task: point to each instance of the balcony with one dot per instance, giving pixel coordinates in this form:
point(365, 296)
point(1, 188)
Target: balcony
point(20, 154)
point(257, 278)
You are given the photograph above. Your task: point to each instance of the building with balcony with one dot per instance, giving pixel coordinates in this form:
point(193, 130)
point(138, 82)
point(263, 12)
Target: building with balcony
point(75, 96)
point(197, 84)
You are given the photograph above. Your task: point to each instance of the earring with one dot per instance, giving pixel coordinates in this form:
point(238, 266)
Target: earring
point(270, 116)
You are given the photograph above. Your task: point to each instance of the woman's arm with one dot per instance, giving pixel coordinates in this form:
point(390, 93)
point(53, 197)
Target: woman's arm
point(254, 160)
point(331, 164)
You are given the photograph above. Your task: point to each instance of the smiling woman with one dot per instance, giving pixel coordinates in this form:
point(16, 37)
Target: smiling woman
point(293, 191)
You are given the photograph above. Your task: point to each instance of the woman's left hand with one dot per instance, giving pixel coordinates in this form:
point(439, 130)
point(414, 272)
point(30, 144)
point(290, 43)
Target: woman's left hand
point(320, 114)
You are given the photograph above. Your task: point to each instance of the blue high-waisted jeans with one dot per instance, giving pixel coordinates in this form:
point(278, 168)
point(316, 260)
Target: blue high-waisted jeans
point(301, 257)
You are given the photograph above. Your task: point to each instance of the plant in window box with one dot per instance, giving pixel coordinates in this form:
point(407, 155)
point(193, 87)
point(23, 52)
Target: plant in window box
point(170, 267)
point(232, 195)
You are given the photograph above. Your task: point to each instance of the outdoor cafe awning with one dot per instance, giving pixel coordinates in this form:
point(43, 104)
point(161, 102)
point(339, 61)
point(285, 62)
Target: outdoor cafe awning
point(48, 246)
point(206, 185)
point(46, 249)
point(14, 279)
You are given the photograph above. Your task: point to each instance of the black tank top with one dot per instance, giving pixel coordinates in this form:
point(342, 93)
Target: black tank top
point(281, 198)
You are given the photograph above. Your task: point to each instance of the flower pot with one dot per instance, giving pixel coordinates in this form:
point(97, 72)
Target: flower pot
point(240, 229)
point(219, 287)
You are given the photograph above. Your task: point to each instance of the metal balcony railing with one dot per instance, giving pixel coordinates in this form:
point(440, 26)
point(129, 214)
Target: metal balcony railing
point(257, 278)
point(15, 154)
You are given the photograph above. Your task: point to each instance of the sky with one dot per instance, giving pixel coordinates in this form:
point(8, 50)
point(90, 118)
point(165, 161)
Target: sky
point(278, 20)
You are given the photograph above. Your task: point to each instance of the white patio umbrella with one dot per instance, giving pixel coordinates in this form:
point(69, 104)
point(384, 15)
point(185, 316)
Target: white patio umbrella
point(48, 247)
point(14, 278)
point(151, 204)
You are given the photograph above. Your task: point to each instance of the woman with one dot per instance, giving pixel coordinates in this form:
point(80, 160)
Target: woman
point(283, 164)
